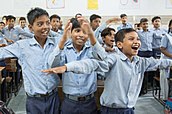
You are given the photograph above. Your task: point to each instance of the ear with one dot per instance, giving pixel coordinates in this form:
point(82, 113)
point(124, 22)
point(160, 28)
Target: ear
point(119, 45)
point(30, 27)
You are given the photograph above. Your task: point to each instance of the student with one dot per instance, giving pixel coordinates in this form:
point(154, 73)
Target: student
point(124, 24)
point(12, 32)
point(32, 54)
point(78, 89)
point(4, 19)
point(145, 50)
point(165, 48)
point(170, 28)
point(23, 25)
point(95, 21)
point(108, 37)
point(2, 25)
point(159, 32)
point(124, 73)
point(55, 23)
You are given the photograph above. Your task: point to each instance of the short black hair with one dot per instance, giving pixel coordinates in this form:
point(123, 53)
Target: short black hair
point(94, 16)
point(77, 15)
point(123, 15)
point(35, 13)
point(55, 16)
point(120, 35)
point(156, 17)
point(9, 17)
point(107, 31)
point(75, 23)
point(22, 18)
point(143, 20)
point(170, 23)
point(2, 23)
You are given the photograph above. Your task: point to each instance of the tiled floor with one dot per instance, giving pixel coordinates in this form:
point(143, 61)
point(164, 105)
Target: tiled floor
point(145, 105)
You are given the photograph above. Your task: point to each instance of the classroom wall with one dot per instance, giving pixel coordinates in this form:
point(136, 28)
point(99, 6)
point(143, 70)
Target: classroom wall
point(105, 7)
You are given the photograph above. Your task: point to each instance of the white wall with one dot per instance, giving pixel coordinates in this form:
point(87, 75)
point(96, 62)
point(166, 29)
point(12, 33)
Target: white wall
point(106, 8)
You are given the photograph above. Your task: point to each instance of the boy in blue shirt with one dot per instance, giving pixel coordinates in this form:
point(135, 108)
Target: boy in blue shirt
point(124, 73)
point(78, 89)
point(124, 24)
point(32, 55)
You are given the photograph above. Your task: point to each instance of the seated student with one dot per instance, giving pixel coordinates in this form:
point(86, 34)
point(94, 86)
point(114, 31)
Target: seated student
point(124, 24)
point(32, 55)
point(165, 48)
point(12, 32)
point(78, 89)
point(124, 72)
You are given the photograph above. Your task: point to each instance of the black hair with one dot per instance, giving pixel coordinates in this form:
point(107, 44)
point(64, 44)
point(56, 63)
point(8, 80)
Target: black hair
point(120, 35)
point(55, 16)
point(2, 23)
point(107, 31)
point(156, 17)
point(143, 20)
point(94, 16)
point(75, 23)
point(35, 13)
point(170, 23)
point(9, 17)
point(22, 18)
point(77, 15)
point(123, 15)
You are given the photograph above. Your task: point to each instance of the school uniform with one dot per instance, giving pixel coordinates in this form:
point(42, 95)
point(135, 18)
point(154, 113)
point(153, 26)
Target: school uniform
point(41, 89)
point(13, 34)
point(124, 26)
point(78, 89)
point(157, 41)
point(146, 38)
point(165, 73)
point(26, 29)
point(123, 79)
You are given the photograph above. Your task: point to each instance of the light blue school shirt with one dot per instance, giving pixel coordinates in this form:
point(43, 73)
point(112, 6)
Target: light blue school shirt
point(33, 58)
point(146, 38)
point(123, 77)
point(75, 84)
point(124, 26)
point(2, 40)
point(165, 43)
point(97, 32)
point(158, 34)
point(14, 33)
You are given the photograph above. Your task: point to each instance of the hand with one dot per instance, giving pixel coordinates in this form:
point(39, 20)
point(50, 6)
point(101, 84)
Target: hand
point(112, 20)
point(55, 70)
point(3, 45)
point(85, 25)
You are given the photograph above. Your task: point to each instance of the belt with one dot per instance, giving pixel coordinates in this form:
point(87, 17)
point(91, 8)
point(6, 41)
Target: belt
point(79, 98)
point(43, 95)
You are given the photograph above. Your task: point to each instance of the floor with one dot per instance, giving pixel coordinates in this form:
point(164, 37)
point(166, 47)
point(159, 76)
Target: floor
point(146, 104)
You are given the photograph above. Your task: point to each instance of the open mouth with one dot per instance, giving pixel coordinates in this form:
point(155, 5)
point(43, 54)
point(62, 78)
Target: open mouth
point(135, 47)
point(112, 40)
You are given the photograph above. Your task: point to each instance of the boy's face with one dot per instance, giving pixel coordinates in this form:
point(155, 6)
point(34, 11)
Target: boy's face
point(144, 25)
point(157, 23)
point(124, 20)
point(10, 23)
point(55, 23)
point(95, 23)
point(22, 23)
point(79, 37)
point(109, 39)
point(130, 44)
point(1, 26)
point(41, 27)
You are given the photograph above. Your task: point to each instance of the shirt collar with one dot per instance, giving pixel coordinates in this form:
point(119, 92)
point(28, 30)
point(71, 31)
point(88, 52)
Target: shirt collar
point(48, 41)
point(70, 45)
